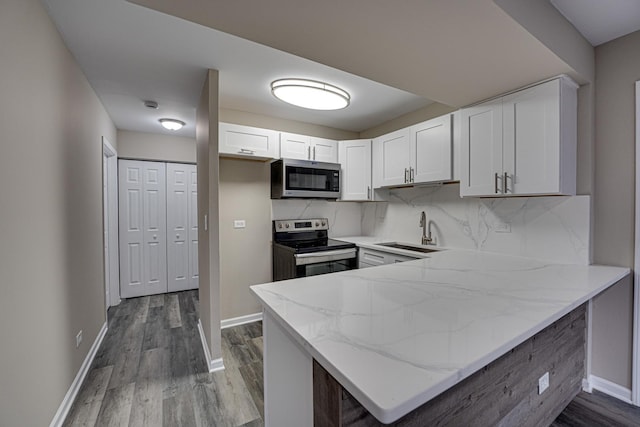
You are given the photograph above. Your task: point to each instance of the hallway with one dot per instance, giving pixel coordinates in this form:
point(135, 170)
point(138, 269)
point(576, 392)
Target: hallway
point(150, 370)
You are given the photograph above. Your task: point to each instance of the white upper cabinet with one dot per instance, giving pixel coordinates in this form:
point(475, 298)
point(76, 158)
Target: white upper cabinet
point(303, 147)
point(431, 148)
point(418, 154)
point(481, 151)
point(324, 150)
point(247, 141)
point(391, 158)
point(523, 143)
point(355, 171)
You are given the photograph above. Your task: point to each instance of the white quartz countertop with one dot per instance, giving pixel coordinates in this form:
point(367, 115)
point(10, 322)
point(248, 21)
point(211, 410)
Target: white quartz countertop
point(396, 336)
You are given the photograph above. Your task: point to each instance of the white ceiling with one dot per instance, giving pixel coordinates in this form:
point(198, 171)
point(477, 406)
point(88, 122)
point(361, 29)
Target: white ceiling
point(453, 52)
point(130, 53)
point(600, 21)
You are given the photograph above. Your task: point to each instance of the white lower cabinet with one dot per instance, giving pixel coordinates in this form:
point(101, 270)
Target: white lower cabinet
point(158, 227)
point(372, 258)
point(355, 170)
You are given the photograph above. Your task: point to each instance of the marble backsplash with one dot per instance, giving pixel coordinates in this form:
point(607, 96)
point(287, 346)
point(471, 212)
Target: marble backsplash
point(549, 228)
point(344, 217)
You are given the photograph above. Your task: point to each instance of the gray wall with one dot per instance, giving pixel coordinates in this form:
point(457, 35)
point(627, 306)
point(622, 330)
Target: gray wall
point(51, 260)
point(245, 253)
point(153, 146)
point(617, 69)
point(208, 205)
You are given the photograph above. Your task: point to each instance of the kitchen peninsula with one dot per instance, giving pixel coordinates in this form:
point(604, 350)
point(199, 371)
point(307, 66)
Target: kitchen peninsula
point(381, 345)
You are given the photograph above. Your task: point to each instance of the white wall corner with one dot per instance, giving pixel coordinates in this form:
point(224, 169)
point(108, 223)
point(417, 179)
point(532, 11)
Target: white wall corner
point(213, 365)
point(610, 388)
point(61, 415)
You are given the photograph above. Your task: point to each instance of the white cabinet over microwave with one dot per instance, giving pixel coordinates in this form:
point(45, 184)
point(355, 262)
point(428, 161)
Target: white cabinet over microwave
point(248, 142)
point(303, 147)
point(523, 143)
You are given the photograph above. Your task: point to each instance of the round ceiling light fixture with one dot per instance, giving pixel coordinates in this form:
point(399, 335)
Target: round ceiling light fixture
point(172, 124)
point(310, 94)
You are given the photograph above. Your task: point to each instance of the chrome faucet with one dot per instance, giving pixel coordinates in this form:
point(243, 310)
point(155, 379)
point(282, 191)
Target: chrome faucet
point(426, 225)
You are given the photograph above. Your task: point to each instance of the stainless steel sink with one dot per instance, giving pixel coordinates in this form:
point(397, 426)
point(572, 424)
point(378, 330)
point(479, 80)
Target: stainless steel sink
point(407, 247)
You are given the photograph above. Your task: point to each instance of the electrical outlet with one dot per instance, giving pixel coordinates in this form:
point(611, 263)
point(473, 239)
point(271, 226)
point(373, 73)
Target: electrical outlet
point(543, 383)
point(239, 223)
point(79, 339)
point(503, 227)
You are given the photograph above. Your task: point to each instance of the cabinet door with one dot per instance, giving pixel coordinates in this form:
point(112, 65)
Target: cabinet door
point(293, 146)
point(532, 140)
point(431, 149)
point(245, 141)
point(392, 157)
point(143, 228)
point(481, 150)
point(324, 150)
point(355, 169)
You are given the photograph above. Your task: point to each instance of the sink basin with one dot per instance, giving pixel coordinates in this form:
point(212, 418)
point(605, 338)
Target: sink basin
point(408, 247)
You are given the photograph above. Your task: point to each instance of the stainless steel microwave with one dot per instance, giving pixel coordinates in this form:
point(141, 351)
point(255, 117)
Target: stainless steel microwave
point(304, 179)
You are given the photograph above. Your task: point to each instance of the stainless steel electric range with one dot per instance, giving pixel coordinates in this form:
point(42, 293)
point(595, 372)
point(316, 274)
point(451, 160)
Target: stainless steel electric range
point(301, 248)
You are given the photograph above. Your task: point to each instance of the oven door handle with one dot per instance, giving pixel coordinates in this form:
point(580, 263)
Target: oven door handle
point(325, 256)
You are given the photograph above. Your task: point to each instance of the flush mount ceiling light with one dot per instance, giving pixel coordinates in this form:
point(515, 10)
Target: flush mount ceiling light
point(172, 124)
point(310, 94)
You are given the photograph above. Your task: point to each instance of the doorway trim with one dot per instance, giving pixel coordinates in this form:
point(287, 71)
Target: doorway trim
point(635, 381)
point(110, 224)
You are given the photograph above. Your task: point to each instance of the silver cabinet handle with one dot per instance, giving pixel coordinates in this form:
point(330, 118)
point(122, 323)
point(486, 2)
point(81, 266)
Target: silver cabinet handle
point(368, 193)
point(411, 177)
point(314, 153)
point(406, 171)
point(504, 183)
point(309, 153)
point(246, 151)
point(495, 182)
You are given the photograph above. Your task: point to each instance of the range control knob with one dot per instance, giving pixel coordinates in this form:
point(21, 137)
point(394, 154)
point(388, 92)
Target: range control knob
point(279, 225)
point(317, 224)
point(287, 225)
point(324, 223)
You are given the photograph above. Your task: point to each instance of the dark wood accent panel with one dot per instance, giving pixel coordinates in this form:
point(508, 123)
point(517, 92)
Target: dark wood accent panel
point(502, 393)
point(327, 398)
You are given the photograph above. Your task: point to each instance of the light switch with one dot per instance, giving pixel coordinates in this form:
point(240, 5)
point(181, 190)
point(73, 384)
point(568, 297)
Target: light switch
point(239, 223)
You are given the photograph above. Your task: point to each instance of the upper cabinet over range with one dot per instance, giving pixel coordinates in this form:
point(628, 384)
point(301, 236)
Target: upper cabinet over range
point(303, 147)
point(418, 154)
point(523, 143)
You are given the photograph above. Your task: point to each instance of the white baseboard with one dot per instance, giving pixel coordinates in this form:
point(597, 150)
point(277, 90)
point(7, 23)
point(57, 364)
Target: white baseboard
point(241, 320)
point(65, 406)
point(212, 364)
point(608, 387)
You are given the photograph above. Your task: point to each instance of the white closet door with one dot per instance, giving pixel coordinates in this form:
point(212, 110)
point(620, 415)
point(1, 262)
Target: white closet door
point(143, 250)
point(193, 227)
point(179, 226)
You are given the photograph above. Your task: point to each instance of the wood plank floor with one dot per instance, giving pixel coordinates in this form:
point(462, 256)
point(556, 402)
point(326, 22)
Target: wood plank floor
point(150, 371)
